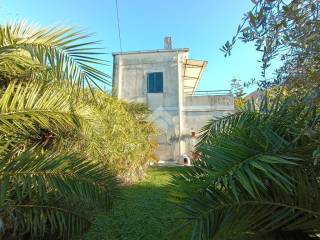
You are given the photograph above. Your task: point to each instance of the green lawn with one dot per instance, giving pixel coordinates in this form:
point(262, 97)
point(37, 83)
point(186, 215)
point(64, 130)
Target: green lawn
point(142, 213)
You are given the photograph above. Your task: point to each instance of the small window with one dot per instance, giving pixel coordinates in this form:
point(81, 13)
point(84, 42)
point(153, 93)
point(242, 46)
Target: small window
point(155, 82)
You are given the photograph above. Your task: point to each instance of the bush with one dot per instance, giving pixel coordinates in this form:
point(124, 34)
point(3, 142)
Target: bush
point(122, 137)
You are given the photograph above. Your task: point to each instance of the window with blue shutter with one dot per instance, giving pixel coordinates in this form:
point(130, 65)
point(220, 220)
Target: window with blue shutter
point(155, 82)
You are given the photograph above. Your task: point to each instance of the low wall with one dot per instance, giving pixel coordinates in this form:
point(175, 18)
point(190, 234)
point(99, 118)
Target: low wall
point(223, 102)
point(198, 110)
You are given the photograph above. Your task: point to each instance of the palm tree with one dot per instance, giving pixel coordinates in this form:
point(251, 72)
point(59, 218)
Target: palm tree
point(63, 142)
point(46, 189)
point(258, 174)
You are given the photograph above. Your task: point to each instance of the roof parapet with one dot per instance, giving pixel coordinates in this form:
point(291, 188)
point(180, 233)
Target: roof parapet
point(152, 51)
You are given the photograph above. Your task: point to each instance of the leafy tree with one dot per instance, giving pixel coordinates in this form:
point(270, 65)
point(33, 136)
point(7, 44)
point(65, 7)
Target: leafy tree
point(257, 177)
point(237, 88)
point(286, 30)
point(237, 91)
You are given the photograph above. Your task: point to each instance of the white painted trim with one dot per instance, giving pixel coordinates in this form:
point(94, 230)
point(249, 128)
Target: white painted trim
point(195, 109)
point(152, 51)
point(166, 109)
point(207, 108)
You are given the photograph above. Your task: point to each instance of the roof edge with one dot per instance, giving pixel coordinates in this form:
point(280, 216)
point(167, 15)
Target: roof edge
point(198, 78)
point(152, 51)
point(205, 63)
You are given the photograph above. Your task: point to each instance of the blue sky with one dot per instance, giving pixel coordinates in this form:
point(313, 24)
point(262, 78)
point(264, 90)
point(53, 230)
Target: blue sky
point(202, 25)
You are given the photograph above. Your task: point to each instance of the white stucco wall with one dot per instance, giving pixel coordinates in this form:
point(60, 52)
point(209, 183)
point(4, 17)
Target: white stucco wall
point(130, 83)
point(175, 115)
point(198, 110)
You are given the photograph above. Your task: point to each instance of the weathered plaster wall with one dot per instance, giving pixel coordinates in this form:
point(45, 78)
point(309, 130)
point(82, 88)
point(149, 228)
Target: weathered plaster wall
point(130, 74)
point(175, 115)
point(198, 110)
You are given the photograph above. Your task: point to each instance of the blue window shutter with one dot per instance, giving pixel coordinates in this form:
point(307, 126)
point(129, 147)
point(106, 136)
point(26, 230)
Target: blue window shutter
point(159, 82)
point(150, 82)
point(155, 82)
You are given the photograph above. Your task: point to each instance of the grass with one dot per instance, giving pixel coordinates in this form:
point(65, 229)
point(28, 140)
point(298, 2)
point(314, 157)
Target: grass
point(143, 212)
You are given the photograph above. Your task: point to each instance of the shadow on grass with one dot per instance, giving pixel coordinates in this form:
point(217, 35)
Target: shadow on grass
point(143, 212)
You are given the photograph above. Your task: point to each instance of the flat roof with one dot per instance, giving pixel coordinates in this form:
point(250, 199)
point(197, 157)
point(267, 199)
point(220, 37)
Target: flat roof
point(152, 51)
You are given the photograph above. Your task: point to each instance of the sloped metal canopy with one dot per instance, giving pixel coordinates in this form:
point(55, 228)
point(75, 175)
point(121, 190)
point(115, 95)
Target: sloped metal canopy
point(192, 73)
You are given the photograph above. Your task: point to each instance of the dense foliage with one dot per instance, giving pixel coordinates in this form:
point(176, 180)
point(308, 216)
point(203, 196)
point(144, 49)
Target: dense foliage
point(257, 177)
point(258, 172)
point(63, 142)
point(122, 138)
point(287, 31)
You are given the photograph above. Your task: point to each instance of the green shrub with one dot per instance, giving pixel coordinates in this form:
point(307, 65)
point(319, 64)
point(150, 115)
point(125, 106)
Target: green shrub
point(122, 138)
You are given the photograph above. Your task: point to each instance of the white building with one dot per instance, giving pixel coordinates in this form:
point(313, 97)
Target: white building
point(166, 80)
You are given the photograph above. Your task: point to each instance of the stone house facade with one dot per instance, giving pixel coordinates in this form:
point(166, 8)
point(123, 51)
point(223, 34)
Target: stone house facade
point(166, 80)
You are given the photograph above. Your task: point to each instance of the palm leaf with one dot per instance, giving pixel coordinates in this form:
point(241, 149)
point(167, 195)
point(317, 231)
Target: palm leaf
point(215, 215)
point(62, 49)
point(46, 192)
point(25, 108)
point(255, 178)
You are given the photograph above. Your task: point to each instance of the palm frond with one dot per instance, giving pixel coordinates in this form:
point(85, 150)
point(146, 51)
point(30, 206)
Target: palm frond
point(61, 49)
point(216, 215)
point(29, 107)
point(256, 175)
point(47, 192)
